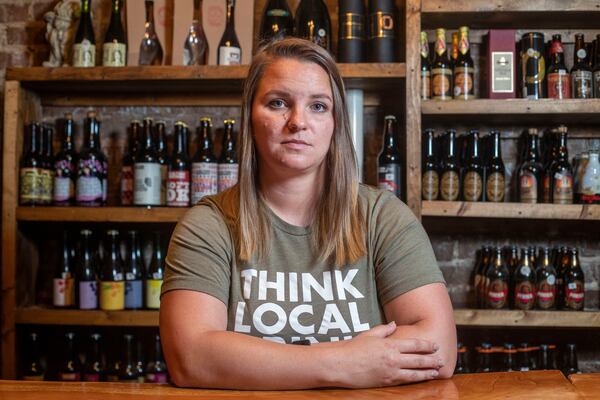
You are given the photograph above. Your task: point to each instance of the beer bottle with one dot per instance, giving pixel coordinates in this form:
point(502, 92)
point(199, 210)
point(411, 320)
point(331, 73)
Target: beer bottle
point(574, 283)
point(30, 169)
point(530, 173)
point(64, 279)
point(430, 184)
point(278, 23)
point(381, 45)
point(128, 371)
point(559, 81)
point(596, 69)
point(509, 354)
point(425, 68)
point(389, 165)
point(524, 283)
point(472, 188)
point(114, 49)
point(480, 276)
point(151, 51)
point(88, 283)
point(93, 369)
point(495, 177)
point(562, 261)
point(228, 163)
point(561, 184)
point(204, 164)
point(229, 50)
point(550, 145)
point(195, 48)
point(579, 167)
point(545, 358)
point(351, 32)
point(454, 50)
point(92, 168)
point(147, 171)
point(497, 281)
point(134, 273)
point(464, 69)
point(462, 366)
point(163, 160)
point(441, 72)
point(84, 45)
point(590, 180)
point(114, 367)
point(571, 366)
point(64, 167)
point(178, 187)
point(47, 164)
point(313, 23)
point(69, 368)
point(512, 255)
point(156, 370)
point(128, 162)
point(546, 283)
point(484, 358)
point(523, 357)
point(581, 73)
point(112, 287)
point(533, 66)
point(33, 368)
point(450, 183)
point(155, 274)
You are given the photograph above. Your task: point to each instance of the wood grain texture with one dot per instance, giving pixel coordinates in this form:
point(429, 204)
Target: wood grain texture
point(101, 214)
point(45, 316)
point(516, 318)
point(587, 385)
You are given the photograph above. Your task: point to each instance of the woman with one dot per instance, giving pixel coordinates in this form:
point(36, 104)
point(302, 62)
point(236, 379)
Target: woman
point(299, 252)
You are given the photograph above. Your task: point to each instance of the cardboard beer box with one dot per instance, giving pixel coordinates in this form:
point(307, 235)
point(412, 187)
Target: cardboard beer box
point(500, 77)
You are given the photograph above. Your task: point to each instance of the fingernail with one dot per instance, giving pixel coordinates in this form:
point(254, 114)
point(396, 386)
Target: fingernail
point(434, 374)
point(436, 347)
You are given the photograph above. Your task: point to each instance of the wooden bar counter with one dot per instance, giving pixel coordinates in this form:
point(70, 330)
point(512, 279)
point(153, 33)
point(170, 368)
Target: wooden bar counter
point(545, 385)
point(588, 385)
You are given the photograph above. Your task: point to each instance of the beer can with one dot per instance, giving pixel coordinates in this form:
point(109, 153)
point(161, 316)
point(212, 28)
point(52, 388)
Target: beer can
point(533, 65)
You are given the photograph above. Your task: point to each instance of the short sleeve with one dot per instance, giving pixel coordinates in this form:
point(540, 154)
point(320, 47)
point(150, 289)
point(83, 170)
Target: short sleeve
point(200, 254)
point(402, 253)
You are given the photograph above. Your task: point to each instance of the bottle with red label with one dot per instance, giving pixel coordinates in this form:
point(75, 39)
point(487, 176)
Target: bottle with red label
point(205, 173)
point(524, 283)
point(559, 79)
point(93, 369)
point(561, 172)
point(545, 286)
point(127, 164)
point(156, 370)
point(228, 162)
point(530, 185)
point(497, 281)
point(574, 283)
point(69, 368)
point(63, 293)
point(178, 185)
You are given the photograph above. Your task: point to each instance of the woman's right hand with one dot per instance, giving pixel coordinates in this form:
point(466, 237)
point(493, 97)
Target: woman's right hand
point(375, 359)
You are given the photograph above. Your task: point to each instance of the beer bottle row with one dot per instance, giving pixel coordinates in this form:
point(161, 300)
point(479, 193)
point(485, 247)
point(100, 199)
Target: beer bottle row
point(510, 358)
point(447, 75)
point(86, 281)
point(543, 279)
point(123, 364)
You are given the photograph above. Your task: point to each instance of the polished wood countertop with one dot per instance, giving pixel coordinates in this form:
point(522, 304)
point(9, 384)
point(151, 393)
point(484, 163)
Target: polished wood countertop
point(545, 385)
point(588, 385)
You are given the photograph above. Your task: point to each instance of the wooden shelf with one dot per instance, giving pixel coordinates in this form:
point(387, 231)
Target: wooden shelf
point(43, 316)
point(465, 209)
point(100, 214)
point(510, 13)
point(514, 318)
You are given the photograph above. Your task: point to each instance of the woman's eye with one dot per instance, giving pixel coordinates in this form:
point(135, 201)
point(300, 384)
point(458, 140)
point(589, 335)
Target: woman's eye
point(319, 107)
point(277, 103)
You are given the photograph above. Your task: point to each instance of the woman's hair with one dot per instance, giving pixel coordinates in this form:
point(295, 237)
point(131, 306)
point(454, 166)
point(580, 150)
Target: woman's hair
point(337, 229)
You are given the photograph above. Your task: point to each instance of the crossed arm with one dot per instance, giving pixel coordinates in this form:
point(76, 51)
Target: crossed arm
point(418, 344)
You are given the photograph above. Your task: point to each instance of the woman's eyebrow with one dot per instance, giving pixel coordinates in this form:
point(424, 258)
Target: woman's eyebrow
point(279, 92)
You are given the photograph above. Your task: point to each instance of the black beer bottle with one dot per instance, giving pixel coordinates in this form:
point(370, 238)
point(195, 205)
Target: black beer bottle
point(561, 172)
point(134, 273)
point(464, 69)
point(352, 31)
point(64, 167)
point(156, 370)
point(559, 80)
point(496, 173)
point(462, 366)
point(84, 44)
point(229, 51)
point(497, 281)
point(63, 283)
point(450, 170)
point(114, 49)
point(509, 354)
point(114, 366)
point(128, 371)
point(128, 162)
point(112, 285)
point(47, 164)
point(523, 357)
point(92, 167)
point(430, 184)
point(30, 169)
point(87, 274)
point(147, 171)
point(178, 185)
point(480, 276)
point(151, 51)
point(228, 162)
point(425, 68)
point(205, 169)
point(155, 274)
point(313, 23)
point(530, 183)
point(596, 69)
point(69, 368)
point(545, 359)
point(550, 153)
point(484, 358)
point(574, 284)
point(524, 283)
point(441, 72)
point(382, 32)
point(571, 366)
point(163, 160)
point(277, 21)
point(581, 73)
point(560, 265)
point(33, 369)
point(472, 188)
point(545, 283)
point(93, 369)
point(389, 164)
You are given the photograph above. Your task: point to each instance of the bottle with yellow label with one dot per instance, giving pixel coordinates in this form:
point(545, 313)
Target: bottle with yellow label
point(112, 284)
point(464, 68)
point(155, 273)
point(441, 71)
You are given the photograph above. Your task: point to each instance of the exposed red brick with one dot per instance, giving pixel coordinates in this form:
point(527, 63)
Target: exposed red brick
point(16, 35)
point(42, 7)
point(13, 12)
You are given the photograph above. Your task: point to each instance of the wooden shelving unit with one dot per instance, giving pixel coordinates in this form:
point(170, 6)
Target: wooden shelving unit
point(101, 214)
point(46, 316)
point(465, 209)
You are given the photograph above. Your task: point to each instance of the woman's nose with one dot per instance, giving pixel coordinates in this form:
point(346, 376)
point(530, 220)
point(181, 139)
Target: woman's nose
point(296, 121)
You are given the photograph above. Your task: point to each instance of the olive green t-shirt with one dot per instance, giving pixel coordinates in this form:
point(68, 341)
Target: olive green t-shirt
point(290, 296)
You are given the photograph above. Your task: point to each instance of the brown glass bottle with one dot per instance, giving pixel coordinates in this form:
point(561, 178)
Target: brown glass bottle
point(178, 190)
point(472, 187)
point(389, 163)
point(530, 184)
point(163, 160)
point(69, 368)
point(462, 365)
point(484, 358)
point(545, 283)
point(574, 283)
point(559, 80)
point(509, 362)
point(430, 184)
point(450, 170)
point(550, 152)
point(441, 71)
point(524, 357)
point(33, 369)
point(464, 68)
point(560, 265)
point(127, 164)
point(581, 73)
point(497, 281)
point(561, 172)
point(496, 172)
point(30, 179)
point(454, 50)
point(545, 359)
point(571, 366)
point(425, 68)
point(524, 283)
point(596, 68)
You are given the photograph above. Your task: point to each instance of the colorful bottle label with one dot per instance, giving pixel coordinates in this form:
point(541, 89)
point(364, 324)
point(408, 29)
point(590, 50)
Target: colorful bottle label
point(89, 188)
point(524, 295)
point(497, 293)
point(32, 185)
point(205, 178)
point(441, 83)
point(382, 25)
point(230, 55)
point(559, 85)
point(93, 377)
point(563, 188)
point(146, 188)
point(69, 376)
point(133, 294)
point(114, 54)
point(581, 82)
point(178, 189)
point(64, 189)
point(84, 54)
point(495, 187)
point(528, 187)
point(574, 295)
point(228, 176)
point(430, 186)
point(450, 186)
point(88, 295)
point(127, 185)
point(472, 186)
point(425, 84)
point(546, 293)
point(464, 88)
point(112, 295)
point(389, 178)
point(153, 293)
point(63, 293)
point(156, 377)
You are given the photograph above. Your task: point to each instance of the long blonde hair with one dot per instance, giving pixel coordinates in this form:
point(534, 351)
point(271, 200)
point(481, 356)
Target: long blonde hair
point(337, 230)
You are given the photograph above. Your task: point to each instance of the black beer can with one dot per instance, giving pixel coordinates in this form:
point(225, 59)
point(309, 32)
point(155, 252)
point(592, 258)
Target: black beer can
point(533, 66)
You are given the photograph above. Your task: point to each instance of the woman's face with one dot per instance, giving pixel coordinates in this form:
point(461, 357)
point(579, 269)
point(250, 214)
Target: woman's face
point(292, 117)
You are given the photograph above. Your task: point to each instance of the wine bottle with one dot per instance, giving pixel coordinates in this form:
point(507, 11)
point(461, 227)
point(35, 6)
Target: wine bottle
point(112, 286)
point(351, 36)
point(47, 164)
point(114, 49)
point(69, 368)
point(156, 370)
point(163, 160)
point(178, 187)
point(30, 169)
point(382, 31)
point(154, 276)
point(204, 165)
point(228, 163)
point(134, 273)
point(92, 167)
point(195, 48)
point(128, 162)
point(84, 45)
point(93, 369)
point(64, 167)
point(87, 274)
point(63, 293)
point(277, 21)
point(230, 51)
point(151, 52)
point(146, 171)
point(313, 23)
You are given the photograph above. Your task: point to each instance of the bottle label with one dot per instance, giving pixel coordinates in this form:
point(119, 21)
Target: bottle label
point(63, 292)
point(230, 55)
point(497, 294)
point(277, 12)
point(495, 187)
point(88, 295)
point(450, 187)
point(431, 185)
point(91, 377)
point(228, 176)
point(352, 26)
point(133, 294)
point(463, 83)
point(69, 376)
point(563, 188)
point(146, 188)
point(178, 189)
point(205, 178)
point(534, 73)
point(84, 54)
point(389, 178)
point(112, 295)
point(89, 188)
point(127, 185)
point(582, 84)
point(441, 83)
point(153, 293)
point(156, 377)
point(546, 185)
point(546, 293)
point(574, 295)
point(114, 54)
point(47, 180)
point(381, 25)
point(425, 85)
point(31, 189)
point(64, 189)
point(524, 295)
point(559, 85)
point(33, 377)
point(472, 186)
point(528, 187)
